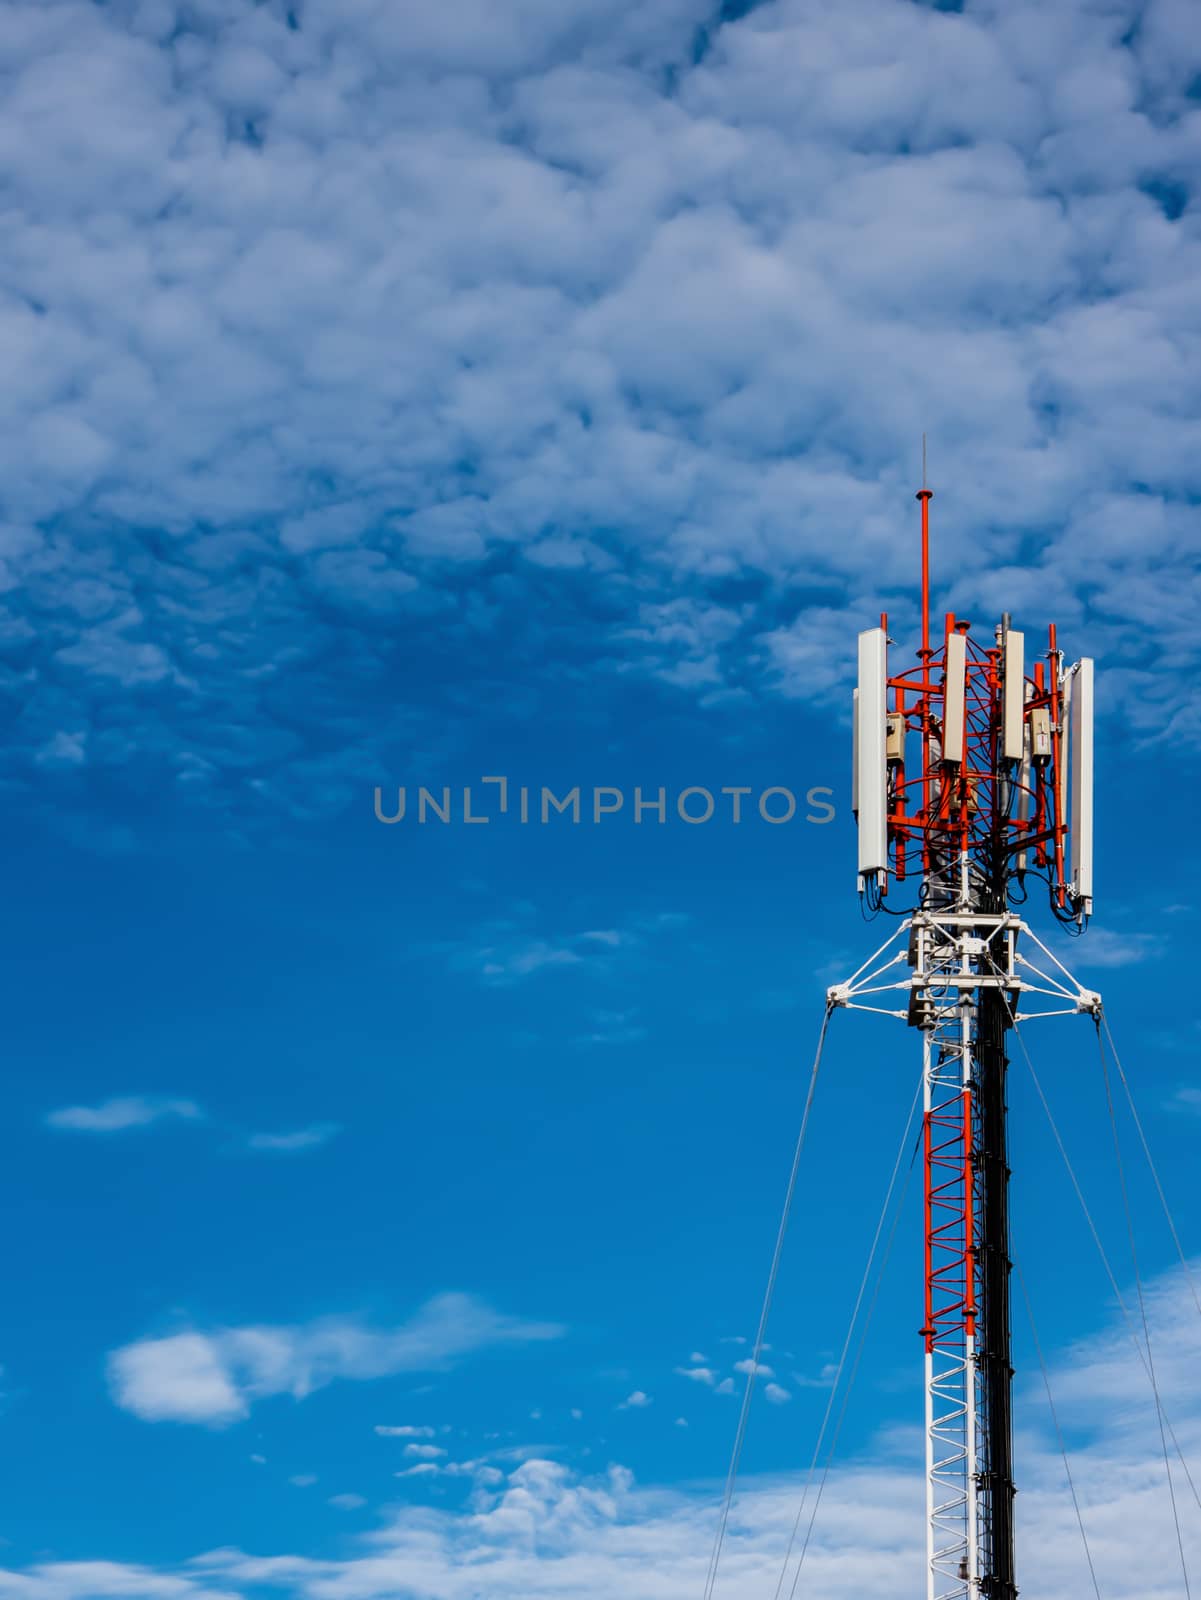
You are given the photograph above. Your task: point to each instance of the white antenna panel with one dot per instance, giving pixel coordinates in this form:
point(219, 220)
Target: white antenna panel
point(1013, 709)
point(870, 764)
point(954, 693)
point(1026, 782)
point(1082, 785)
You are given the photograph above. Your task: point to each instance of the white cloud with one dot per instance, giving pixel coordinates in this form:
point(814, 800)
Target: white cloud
point(303, 1480)
point(216, 1377)
point(636, 1401)
point(1101, 947)
point(318, 1133)
point(777, 1394)
point(347, 1502)
point(698, 1375)
point(404, 1431)
point(523, 959)
point(760, 1369)
point(613, 1028)
point(183, 1378)
point(481, 1472)
point(509, 951)
point(808, 656)
point(424, 1452)
point(822, 1381)
point(106, 1580)
point(125, 1111)
point(64, 750)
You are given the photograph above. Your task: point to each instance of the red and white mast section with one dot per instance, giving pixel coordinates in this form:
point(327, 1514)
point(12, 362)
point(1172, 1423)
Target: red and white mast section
point(972, 780)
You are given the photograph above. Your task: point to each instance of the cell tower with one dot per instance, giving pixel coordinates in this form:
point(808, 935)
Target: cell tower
point(973, 775)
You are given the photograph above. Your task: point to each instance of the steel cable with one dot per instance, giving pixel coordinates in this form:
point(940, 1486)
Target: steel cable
point(781, 1233)
point(1142, 1307)
point(1063, 1449)
point(1159, 1189)
point(1096, 1237)
point(858, 1353)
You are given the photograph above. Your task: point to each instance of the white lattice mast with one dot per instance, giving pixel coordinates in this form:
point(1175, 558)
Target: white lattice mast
point(1001, 758)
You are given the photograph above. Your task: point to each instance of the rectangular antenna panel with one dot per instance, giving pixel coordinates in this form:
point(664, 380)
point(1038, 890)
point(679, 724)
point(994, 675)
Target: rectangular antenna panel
point(871, 776)
point(855, 753)
point(1082, 785)
point(1014, 707)
point(1026, 781)
point(954, 692)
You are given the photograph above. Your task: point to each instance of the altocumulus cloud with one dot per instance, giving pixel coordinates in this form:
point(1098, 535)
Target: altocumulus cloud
point(542, 1530)
point(333, 324)
point(215, 1377)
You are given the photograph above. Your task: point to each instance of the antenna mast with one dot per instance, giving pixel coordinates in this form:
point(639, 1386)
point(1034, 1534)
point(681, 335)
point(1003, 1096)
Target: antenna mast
point(998, 756)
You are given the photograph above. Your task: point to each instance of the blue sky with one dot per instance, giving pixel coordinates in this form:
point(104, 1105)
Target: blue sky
point(402, 396)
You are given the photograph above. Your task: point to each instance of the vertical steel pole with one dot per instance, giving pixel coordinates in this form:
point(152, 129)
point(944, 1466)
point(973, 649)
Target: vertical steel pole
point(995, 1359)
point(927, 1105)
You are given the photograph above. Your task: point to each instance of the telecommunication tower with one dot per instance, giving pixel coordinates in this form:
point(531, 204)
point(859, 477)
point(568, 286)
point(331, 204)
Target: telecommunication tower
point(972, 780)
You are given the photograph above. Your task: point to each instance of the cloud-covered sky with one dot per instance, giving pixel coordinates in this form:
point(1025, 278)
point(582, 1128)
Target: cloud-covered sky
point(347, 344)
point(399, 395)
